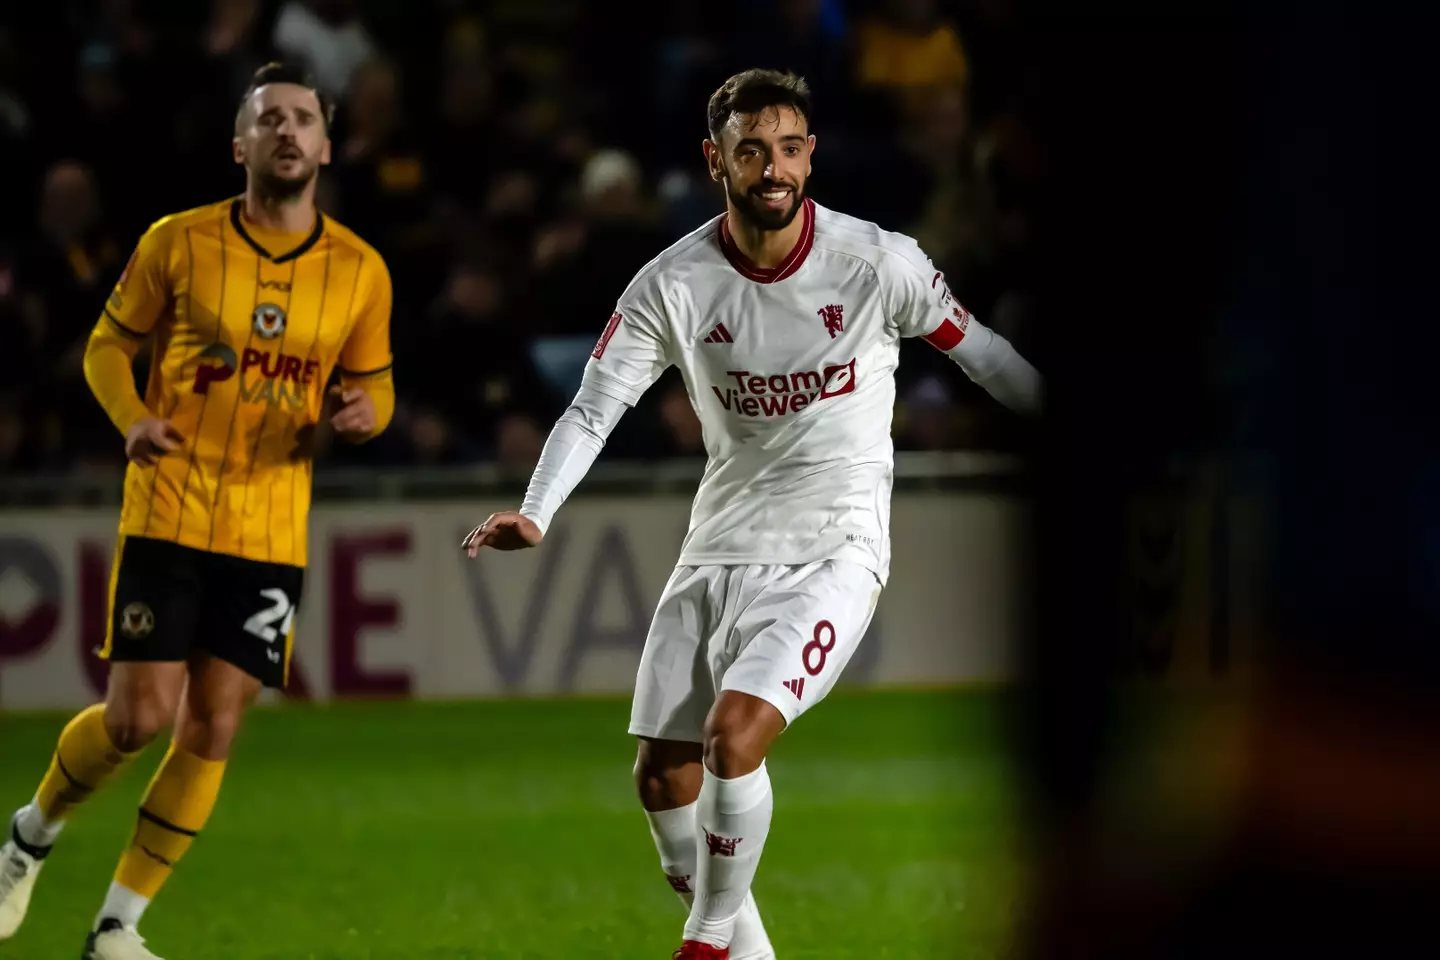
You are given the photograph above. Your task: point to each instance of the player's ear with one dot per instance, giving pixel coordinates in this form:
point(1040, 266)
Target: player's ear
point(810, 143)
point(325, 153)
point(237, 147)
point(712, 160)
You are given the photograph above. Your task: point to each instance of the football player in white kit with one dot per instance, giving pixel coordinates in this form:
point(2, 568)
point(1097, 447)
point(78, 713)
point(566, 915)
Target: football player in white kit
point(785, 320)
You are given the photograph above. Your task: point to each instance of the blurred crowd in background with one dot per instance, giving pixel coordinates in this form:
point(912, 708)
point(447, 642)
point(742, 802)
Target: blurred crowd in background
point(515, 162)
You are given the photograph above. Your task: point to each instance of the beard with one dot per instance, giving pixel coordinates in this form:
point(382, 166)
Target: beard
point(276, 186)
point(753, 211)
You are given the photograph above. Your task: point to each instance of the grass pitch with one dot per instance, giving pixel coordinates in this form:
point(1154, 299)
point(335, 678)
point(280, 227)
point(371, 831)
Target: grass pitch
point(411, 831)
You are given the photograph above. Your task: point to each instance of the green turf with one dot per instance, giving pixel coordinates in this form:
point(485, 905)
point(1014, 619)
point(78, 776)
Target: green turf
point(510, 829)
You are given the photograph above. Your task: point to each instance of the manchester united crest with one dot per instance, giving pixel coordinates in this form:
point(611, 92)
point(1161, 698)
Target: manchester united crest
point(136, 621)
point(269, 320)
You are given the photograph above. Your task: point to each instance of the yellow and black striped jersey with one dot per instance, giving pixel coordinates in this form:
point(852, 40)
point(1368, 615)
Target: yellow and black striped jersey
point(247, 326)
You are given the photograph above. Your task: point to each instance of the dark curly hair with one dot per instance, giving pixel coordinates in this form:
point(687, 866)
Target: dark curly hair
point(754, 90)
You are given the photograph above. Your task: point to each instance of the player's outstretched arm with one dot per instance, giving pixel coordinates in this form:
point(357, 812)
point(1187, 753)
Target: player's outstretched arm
point(631, 353)
point(924, 307)
point(992, 362)
point(577, 439)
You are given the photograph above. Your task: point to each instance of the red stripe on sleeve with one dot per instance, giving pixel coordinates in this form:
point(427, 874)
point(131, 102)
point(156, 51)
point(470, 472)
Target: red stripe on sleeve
point(604, 340)
point(946, 336)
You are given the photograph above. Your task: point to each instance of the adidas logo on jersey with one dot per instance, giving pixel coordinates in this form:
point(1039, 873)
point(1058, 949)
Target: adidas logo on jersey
point(719, 335)
point(796, 687)
point(778, 394)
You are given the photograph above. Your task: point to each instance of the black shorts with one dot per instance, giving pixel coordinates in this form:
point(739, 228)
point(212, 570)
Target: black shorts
point(168, 600)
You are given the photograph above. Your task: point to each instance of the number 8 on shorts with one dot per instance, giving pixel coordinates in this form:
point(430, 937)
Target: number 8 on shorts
point(821, 646)
point(800, 631)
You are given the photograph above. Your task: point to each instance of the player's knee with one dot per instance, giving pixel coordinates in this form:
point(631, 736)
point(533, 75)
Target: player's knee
point(734, 749)
point(666, 774)
point(738, 733)
point(133, 724)
point(209, 731)
point(656, 786)
point(141, 701)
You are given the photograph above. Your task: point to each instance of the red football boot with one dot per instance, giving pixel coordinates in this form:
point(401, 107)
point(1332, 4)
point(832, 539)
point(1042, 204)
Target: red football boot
point(695, 950)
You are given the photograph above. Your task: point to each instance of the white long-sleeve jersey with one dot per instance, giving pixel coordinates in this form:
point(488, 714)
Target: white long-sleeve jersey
point(791, 372)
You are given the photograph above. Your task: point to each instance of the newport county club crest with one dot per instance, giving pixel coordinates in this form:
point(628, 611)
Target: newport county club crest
point(269, 320)
point(136, 621)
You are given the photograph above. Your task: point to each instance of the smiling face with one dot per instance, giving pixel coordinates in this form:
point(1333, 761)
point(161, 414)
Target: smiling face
point(763, 158)
point(281, 137)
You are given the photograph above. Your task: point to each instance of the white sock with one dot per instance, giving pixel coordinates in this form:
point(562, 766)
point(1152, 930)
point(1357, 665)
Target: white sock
point(122, 904)
point(34, 829)
point(674, 835)
point(733, 819)
point(674, 832)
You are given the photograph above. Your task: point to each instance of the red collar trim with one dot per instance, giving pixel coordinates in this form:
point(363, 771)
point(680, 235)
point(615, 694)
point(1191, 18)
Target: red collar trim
point(796, 259)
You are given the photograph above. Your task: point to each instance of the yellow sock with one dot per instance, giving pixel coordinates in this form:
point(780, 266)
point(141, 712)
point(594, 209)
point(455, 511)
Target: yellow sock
point(85, 760)
point(175, 808)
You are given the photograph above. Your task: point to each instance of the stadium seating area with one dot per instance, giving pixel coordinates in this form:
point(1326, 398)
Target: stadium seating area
point(515, 165)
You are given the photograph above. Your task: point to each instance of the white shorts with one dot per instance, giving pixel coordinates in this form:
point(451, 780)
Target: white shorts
point(780, 633)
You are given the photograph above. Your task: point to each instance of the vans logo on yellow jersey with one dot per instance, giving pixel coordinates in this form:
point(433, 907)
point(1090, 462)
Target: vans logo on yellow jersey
point(278, 379)
point(269, 320)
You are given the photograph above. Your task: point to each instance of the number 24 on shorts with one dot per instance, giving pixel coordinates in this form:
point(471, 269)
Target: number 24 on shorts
point(260, 624)
point(822, 644)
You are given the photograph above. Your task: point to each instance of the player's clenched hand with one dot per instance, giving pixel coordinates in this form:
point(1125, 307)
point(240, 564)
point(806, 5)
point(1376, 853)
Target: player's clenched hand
point(506, 530)
point(149, 439)
point(356, 415)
